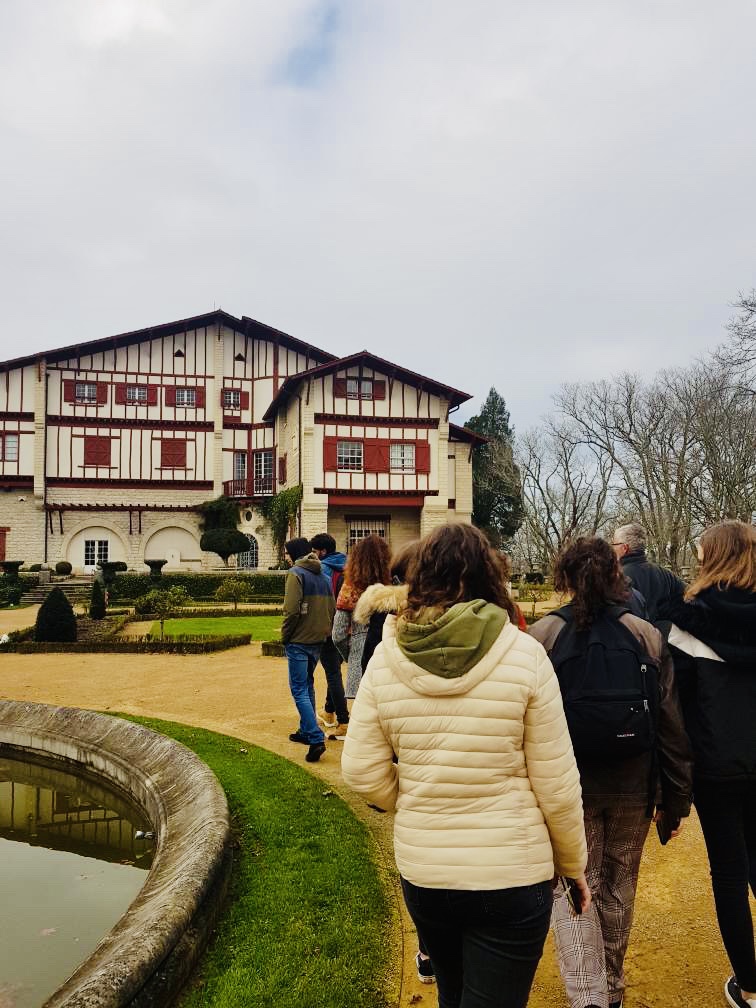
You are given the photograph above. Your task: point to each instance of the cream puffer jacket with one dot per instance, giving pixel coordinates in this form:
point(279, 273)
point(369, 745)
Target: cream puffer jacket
point(486, 790)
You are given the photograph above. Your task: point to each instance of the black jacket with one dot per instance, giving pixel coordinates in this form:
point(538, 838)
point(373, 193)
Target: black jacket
point(655, 584)
point(718, 696)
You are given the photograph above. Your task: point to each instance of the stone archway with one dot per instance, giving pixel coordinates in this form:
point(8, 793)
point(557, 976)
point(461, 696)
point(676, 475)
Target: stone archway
point(250, 560)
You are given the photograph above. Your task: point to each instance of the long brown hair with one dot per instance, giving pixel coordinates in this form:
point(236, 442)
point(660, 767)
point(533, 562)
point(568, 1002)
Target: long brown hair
point(455, 563)
point(729, 558)
point(589, 569)
point(368, 563)
point(403, 559)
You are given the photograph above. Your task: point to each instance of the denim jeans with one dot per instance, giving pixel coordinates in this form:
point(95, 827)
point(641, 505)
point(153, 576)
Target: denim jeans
point(302, 659)
point(727, 810)
point(485, 945)
point(330, 659)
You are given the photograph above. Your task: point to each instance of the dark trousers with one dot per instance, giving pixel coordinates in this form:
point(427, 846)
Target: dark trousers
point(335, 702)
point(727, 810)
point(484, 945)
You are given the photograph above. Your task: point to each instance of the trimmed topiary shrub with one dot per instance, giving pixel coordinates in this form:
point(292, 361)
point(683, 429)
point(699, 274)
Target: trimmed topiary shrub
point(55, 619)
point(10, 568)
point(225, 542)
point(63, 567)
point(97, 604)
point(265, 587)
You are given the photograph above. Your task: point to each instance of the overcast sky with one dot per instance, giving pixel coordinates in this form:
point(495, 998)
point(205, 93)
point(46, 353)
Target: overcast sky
point(489, 192)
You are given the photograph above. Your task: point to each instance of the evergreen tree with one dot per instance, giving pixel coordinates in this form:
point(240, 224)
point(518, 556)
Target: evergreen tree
point(97, 604)
point(497, 489)
point(55, 619)
point(225, 542)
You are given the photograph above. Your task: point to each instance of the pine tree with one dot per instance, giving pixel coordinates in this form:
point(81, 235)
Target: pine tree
point(55, 619)
point(497, 490)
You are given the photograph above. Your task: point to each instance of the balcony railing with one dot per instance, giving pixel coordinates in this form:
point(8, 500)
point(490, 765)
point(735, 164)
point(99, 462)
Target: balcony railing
point(261, 486)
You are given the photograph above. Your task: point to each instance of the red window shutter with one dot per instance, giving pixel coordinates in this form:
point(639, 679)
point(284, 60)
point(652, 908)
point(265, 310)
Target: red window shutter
point(69, 390)
point(282, 470)
point(200, 396)
point(339, 389)
point(244, 401)
point(96, 451)
point(102, 393)
point(376, 456)
point(120, 394)
point(329, 454)
point(170, 396)
point(379, 390)
point(173, 453)
point(152, 395)
point(422, 456)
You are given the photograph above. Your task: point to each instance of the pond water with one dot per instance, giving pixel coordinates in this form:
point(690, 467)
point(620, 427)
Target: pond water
point(70, 865)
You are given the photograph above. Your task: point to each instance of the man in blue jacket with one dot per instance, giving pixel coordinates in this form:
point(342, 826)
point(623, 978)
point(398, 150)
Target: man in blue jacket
point(332, 563)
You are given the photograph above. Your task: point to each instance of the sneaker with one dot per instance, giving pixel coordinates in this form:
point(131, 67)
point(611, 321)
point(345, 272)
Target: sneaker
point(425, 972)
point(735, 997)
point(340, 734)
point(327, 719)
point(315, 752)
point(297, 736)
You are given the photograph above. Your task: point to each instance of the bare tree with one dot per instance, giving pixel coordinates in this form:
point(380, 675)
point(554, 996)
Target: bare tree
point(739, 354)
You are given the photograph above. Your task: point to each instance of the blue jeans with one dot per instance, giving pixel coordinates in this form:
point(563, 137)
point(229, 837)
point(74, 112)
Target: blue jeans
point(485, 945)
point(302, 659)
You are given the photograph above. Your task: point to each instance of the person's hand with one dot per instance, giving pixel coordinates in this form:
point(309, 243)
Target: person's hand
point(674, 832)
point(585, 893)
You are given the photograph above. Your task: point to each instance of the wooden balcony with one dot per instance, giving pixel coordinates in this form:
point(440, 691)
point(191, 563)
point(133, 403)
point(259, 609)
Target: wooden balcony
point(260, 487)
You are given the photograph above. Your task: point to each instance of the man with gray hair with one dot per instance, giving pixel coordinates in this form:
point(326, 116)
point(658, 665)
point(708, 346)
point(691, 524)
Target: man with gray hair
point(655, 584)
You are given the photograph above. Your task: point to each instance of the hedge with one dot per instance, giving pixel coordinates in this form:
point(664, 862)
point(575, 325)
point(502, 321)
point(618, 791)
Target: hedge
point(264, 587)
point(135, 645)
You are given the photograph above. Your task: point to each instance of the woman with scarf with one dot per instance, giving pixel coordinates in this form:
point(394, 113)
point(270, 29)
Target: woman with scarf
point(486, 790)
point(713, 641)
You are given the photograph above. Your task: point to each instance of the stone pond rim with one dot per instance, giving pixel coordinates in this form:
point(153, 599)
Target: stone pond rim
point(148, 955)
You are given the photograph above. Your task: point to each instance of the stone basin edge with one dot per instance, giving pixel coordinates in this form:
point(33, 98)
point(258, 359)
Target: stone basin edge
point(146, 958)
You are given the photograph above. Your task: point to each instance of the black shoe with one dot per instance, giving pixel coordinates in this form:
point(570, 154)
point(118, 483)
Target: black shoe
point(617, 1004)
point(315, 752)
point(297, 736)
point(734, 995)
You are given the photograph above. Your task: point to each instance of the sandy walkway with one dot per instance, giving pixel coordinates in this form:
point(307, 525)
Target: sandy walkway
point(675, 957)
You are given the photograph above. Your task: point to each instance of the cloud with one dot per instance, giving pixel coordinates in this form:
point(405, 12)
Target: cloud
point(489, 193)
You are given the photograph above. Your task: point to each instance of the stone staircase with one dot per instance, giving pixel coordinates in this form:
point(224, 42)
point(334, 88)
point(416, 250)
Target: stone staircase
point(76, 589)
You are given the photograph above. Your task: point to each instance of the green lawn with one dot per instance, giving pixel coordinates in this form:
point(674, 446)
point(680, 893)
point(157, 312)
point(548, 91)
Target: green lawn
point(308, 920)
point(262, 628)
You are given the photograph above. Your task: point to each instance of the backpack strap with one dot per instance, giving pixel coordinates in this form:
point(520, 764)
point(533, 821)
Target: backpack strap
point(565, 613)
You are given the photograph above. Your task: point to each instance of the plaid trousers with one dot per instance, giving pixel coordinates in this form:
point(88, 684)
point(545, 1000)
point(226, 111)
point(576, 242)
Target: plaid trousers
point(591, 947)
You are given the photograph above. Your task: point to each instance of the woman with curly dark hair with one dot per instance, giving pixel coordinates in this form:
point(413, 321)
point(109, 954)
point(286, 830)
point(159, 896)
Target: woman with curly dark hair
point(618, 793)
point(369, 562)
point(485, 785)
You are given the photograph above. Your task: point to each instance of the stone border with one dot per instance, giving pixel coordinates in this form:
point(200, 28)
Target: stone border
point(146, 958)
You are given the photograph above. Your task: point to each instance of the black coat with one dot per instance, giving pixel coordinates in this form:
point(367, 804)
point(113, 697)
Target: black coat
point(656, 585)
point(718, 696)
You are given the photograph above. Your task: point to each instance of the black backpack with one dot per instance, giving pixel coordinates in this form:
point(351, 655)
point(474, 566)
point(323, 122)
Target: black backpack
point(610, 687)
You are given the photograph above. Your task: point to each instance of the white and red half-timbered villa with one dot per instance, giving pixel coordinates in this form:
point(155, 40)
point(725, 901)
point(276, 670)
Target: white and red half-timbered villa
point(107, 448)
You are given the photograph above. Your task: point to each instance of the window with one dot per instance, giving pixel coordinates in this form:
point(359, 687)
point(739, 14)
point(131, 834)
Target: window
point(357, 388)
point(96, 451)
point(186, 396)
point(96, 551)
point(8, 447)
point(263, 467)
point(349, 456)
point(136, 393)
point(240, 465)
point(359, 528)
point(85, 392)
point(231, 399)
point(403, 457)
point(173, 453)
point(249, 559)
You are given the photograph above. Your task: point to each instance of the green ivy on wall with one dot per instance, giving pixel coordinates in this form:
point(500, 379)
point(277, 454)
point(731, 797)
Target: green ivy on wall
point(221, 513)
point(280, 512)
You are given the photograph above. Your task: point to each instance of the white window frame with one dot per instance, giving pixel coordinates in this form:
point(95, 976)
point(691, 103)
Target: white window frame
point(350, 456)
point(262, 470)
point(186, 396)
point(8, 447)
point(96, 551)
point(232, 399)
point(240, 466)
point(359, 388)
point(402, 456)
point(85, 392)
point(136, 394)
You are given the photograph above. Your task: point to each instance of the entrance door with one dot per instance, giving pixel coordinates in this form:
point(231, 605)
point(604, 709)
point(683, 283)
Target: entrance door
point(249, 559)
point(3, 533)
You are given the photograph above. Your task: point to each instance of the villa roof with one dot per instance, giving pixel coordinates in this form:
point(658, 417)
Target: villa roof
point(245, 326)
point(364, 357)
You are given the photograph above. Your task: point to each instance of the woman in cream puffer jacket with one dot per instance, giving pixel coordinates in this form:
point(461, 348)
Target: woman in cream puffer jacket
point(486, 790)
